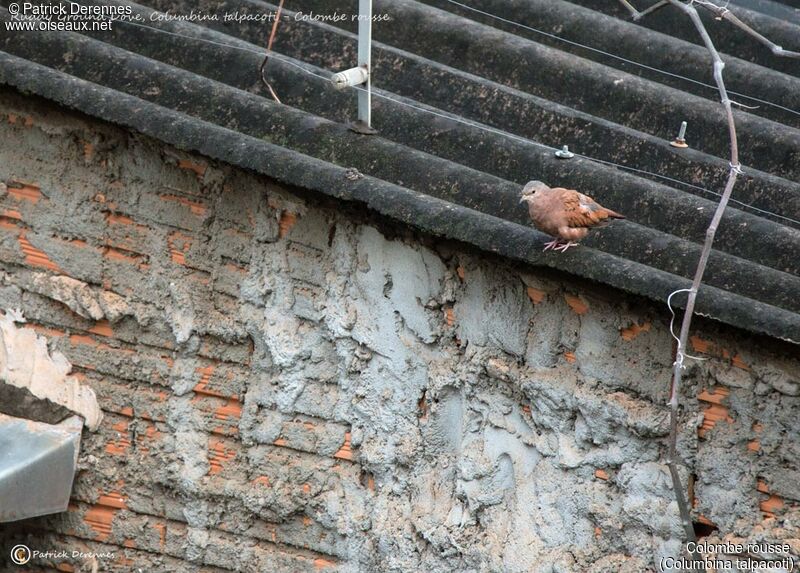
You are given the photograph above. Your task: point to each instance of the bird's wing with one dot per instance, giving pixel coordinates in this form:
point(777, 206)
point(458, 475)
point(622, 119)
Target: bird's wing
point(583, 211)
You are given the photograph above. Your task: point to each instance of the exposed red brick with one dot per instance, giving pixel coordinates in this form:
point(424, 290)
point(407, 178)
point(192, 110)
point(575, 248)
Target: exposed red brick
point(770, 506)
point(205, 373)
point(100, 518)
point(46, 331)
point(422, 407)
point(198, 168)
point(449, 316)
point(701, 345)
point(152, 433)
point(569, 357)
point(345, 452)
point(83, 339)
point(218, 455)
point(715, 411)
point(601, 474)
point(103, 328)
point(119, 255)
point(162, 534)
point(12, 214)
point(22, 191)
point(122, 444)
point(151, 436)
point(286, 222)
point(200, 277)
point(576, 303)
point(634, 330)
point(739, 362)
point(88, 150)
point(9, 225)
point(196, 207)
point(35, 257)
point(179, 244)
point(705, 521)
point(535, 294)
point(236, 269)
point(112, 499)
point(232, 409)
point(117, 219)
point(320, 563)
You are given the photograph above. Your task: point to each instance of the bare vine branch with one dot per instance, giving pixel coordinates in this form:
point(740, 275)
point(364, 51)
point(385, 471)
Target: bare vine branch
point(725, 14)
point(638, 15)
point(735, 170)
point(721, 12)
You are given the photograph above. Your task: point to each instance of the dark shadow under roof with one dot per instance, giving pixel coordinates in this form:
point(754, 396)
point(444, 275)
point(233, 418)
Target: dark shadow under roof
point(529, 91)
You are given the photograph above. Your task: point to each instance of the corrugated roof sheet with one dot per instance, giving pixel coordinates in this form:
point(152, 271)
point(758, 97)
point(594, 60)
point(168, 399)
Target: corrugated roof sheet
point(468, 108)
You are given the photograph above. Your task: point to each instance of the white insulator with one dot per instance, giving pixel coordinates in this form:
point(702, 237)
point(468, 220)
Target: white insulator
point(351, 77)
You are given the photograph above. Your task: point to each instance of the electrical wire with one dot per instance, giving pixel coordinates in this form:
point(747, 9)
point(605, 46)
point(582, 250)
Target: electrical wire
point(453, 117)
point(620, 58)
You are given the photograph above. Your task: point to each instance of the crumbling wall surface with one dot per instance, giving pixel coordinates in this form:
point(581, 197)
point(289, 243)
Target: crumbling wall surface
point(294, 385)
point(36, 385)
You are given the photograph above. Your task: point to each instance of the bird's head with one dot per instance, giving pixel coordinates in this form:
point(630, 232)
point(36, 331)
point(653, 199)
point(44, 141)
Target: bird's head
point(530, 189)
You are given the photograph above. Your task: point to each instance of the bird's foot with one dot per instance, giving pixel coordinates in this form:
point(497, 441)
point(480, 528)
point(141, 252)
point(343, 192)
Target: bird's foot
point(551, 245)
point(557, 245)
point(564, 246)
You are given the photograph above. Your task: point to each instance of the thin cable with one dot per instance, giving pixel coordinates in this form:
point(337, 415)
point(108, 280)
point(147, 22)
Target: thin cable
point(456, 118)
point(679, 354)
point(616, 57)
point(258, 51)
point(603, 161)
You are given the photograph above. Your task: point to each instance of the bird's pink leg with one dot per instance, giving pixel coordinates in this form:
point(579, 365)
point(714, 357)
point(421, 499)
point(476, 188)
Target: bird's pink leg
point(563, 247)
point(552, 245)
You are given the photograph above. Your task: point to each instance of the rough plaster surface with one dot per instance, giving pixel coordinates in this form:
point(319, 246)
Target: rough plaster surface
point(28, 366)
point(292, 385)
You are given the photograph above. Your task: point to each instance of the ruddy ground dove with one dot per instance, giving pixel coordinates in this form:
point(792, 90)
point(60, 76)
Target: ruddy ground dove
point(564, 213)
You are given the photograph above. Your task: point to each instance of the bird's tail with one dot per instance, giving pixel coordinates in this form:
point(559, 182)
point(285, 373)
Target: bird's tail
point(614, 214)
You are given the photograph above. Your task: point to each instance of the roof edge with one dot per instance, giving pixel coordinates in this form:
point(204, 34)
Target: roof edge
point(435, 216)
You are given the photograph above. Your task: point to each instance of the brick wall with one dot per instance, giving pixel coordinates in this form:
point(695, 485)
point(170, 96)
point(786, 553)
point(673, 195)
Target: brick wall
point(293, 385)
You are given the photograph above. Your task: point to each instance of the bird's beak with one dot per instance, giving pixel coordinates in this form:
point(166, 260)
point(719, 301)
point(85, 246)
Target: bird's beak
point(522, 199)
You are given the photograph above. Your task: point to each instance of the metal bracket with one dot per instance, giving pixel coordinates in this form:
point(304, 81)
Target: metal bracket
point(361, 75)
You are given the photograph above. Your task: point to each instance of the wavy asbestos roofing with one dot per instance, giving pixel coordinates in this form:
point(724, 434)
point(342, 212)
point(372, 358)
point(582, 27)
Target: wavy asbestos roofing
point(468, 108)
